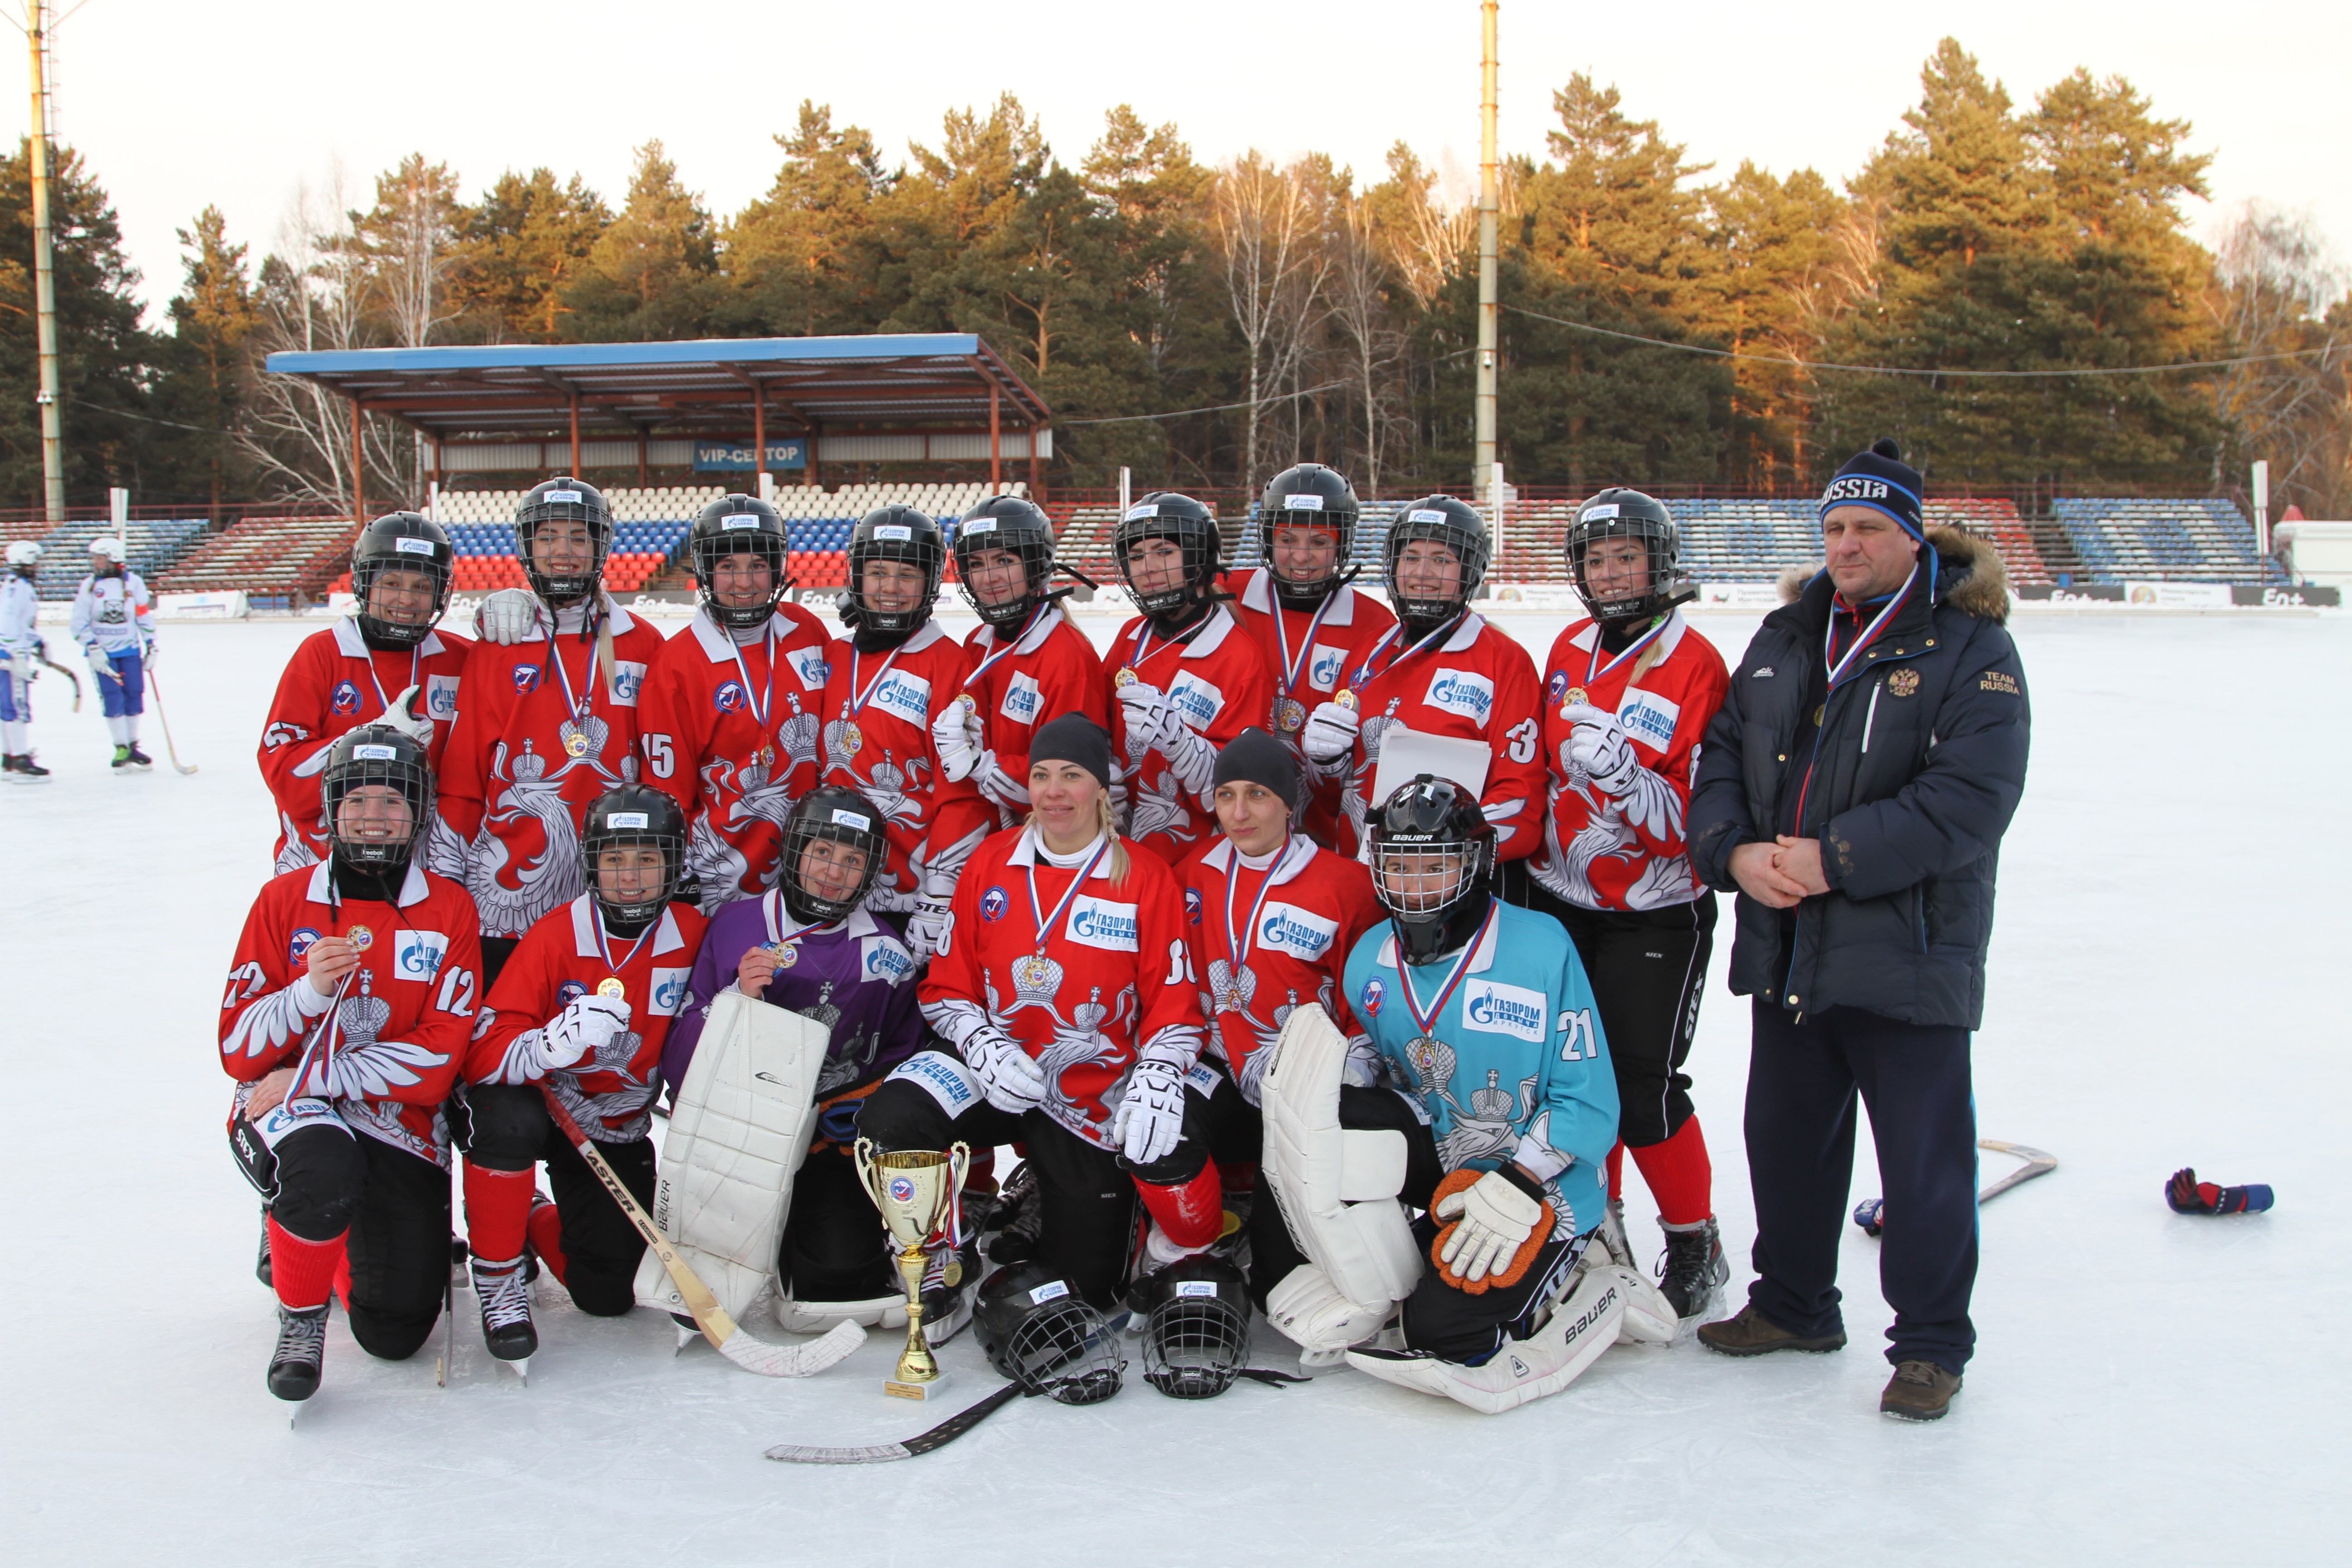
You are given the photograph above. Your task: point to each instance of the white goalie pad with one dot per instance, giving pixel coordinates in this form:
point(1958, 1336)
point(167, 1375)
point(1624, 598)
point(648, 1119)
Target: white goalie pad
point(1591, 1321)
point(1337, 1189)
point(737, 1133)
point(1649, 1317)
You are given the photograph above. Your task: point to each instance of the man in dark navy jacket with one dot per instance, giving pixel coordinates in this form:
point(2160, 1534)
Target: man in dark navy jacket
point(1854, 788)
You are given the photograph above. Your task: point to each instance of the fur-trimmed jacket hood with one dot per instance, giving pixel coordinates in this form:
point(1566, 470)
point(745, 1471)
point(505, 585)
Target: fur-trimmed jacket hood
point(1970, 574)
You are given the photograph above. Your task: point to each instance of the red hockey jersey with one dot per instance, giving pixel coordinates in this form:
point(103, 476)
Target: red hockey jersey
point(1477, 684)
point(1268, 937)
point(1599, 852)
point(544, 731)
point(1216, 682)
point(1310, 658)
point(399, 1033)
point(332, 685)
point(566, 956)
point(1051, 669)
point(730, 732)
point(878, 709)
point(1085, 977)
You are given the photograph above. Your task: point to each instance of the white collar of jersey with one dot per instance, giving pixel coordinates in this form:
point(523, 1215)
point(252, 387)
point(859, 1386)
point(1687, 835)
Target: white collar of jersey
point(350, 645)
point(856, 923)
point(717, 647)
point(1031, 641)
point(1029, 851)
point(1214, 631)
point(929, 633)
point(1481, 959)
point(1465, 634)
point(1221, 857)
point(1257, 593)
point(413, 887)
point(1584, 636)
point(583, 930)
point(616, 620)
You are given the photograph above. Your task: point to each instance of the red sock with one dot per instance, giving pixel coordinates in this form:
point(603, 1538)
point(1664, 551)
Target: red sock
point(1679, 1175)
point(498, 1210)
point(1191, 1214)
point(343, 1278)
point(547, 1238)
point(1617, 1169)
point(303, 1272)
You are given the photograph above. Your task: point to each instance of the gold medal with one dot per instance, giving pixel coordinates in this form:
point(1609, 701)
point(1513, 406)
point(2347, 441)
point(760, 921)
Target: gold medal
point(611, 986)
point(851, 738)
point(575, 745)
point(971, 708)
point(1345, 699)
point(787, 954)
point(765, 756)
point(1291, 714)
point(1575, 694)
point(1034, 972)
point(1126, 676)
point(1824, 708)
point(360, 937)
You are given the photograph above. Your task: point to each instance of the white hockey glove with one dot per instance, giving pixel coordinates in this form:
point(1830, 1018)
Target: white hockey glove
point(586, 1025)
point(1147, 714)
point(951, 737)
point(1151, 1117)
point(506, 616)
point(926, 928)
point(1008, 1076)
point(147, 653)
point(402, 716)
point(1330, 733)
point(97, 661)
point(1496, 1220)
point(1599, 746)
point(997, 785)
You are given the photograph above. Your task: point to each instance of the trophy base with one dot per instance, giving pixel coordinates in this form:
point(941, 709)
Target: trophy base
point(901, 1388)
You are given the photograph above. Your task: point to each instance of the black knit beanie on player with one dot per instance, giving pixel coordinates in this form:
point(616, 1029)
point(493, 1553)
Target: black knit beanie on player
point(1255, 757)
point(1880, 480)
point(1073, 738)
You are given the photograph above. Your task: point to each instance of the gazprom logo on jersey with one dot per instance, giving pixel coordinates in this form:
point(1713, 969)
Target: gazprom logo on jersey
point(299, 943)
point(809, 664)
point(908, 696)
point(1096, 922)
point(1460, 691)
point(1323, 670)
point(1195, 700)
point(346, 698)
point(628, 679)
point(1297, 933)
point(669, 991)
point(1510, 1010)
point(441, 699)
point(885, 960)
point(1649, 718)
point(1021, 699)
point(417, 954)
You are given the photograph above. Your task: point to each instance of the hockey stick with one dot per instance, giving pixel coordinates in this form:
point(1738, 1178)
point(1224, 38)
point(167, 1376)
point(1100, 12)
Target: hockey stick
point(177, 765)
point(938, 1437)
point(730, 1341)
point(1870, 1212)
point(71, 678)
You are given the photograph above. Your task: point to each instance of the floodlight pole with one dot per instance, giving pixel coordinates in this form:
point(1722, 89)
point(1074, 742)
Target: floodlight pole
point(45, 285)
point(1482, 467)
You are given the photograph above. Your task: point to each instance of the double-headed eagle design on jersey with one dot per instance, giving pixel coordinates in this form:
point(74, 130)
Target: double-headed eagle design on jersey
point(1607, 833)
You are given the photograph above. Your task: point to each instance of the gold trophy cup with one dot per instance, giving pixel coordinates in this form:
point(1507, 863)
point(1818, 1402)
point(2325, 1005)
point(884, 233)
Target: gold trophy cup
point(915, 1189)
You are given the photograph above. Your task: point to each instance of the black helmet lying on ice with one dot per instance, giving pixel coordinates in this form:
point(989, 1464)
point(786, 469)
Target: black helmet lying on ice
point(1043, 1335)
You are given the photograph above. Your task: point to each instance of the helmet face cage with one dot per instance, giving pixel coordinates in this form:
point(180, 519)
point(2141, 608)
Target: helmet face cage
point(634, 817)
point(739, 525)
point(1457, 526)
point(1429, 829)
point(377, 756)
point(839, 817)
point(1196, 1340)
point(1014, 525)
point(1043, 1335)
point(565, 500)
point(401, 542)
point(1164, 514)
point(897, 533)
point(1626, 514)
point(1310, 496)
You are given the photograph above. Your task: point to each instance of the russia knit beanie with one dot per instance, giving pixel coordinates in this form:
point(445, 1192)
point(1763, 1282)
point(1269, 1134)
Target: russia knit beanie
point(1880, 480)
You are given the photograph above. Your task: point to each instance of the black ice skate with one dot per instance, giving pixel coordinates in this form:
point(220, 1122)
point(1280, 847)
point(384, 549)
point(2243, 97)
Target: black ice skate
point(505, 1313)
point(1694, 1270)
point(138, 759)
point(302, 1348)
point(1017, 1219)
point(24, 770)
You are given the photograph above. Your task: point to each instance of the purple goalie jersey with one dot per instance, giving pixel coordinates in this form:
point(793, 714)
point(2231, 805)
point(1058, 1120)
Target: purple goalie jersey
point(856, 977)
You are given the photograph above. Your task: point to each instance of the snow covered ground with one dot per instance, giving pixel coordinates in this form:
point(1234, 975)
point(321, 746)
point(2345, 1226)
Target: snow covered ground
point(2166, 989)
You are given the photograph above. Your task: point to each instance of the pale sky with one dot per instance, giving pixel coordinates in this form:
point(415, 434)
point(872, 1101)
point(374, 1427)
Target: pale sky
point(177, 105)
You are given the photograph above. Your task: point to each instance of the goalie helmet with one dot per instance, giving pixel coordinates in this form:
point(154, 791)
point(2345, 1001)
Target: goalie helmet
point(24, 556)
point(1192, 528)
point(1457, 525)
point(1620, 513)
point(563, 499)
point(634, 817)
point(1043, 1335)
point(835, 815)
point(1309, 495)
point(896, 533)
point(377, 756)
point(1196, 1335)
point(1019, 527)
point(400, 542)
point(1433, 866)
point(739, 525)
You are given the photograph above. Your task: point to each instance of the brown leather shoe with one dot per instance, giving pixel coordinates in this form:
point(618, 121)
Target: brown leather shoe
point(1753, 1333)
point(1919, 1390)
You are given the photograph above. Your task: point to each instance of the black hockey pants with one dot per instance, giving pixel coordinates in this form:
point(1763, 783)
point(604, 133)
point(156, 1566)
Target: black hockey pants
point(395, 1209)
point(505, 1127)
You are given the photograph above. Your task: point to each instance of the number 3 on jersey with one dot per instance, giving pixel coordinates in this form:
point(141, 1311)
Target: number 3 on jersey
point(1522, 738)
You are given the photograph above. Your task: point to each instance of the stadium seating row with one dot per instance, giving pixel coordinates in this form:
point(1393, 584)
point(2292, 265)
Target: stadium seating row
point(151, 546)
point(673, 503)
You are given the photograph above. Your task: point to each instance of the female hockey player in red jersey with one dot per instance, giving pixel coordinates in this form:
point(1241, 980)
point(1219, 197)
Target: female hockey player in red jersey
point(1310, 624)
point(581, 1012)
point(730, 717)
point(1028, 663)
point(1065, 983)
point(1442, 671)
point(890, 680)
point(1628, 695)
point(1184, 677)
point(388, 662)
point(550, 721)
point(343, 1023)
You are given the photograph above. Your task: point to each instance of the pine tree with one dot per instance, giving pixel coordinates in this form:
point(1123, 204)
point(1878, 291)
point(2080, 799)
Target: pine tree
point(520, 246)
point(803, 258)
point(649, 277)
point(201, 391)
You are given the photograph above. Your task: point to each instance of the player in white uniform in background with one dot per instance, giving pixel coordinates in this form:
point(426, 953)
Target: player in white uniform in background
point(21, 651)
point(114, 621)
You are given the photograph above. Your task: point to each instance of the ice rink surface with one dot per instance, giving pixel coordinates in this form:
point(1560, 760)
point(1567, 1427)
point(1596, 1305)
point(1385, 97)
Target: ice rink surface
point(2166, 988)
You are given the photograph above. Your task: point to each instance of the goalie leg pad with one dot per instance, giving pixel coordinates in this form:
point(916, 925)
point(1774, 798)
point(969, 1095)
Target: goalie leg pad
point(1309, 1309)
point(1587, 1323)
point(1338, 1187)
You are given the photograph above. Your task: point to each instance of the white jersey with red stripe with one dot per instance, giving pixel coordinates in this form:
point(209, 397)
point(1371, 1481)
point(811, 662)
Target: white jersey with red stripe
point(1214, 681)
point(1309, 654)
point(878, 711)
point(1051, 669)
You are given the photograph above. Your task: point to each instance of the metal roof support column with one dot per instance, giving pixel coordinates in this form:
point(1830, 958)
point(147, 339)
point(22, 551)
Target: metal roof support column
point(1036, 474)
point(575, 435)
point(759, 434)
point(642, 481)
point(995, 466)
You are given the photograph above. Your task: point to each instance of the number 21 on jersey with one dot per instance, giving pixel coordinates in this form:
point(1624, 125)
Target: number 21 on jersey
point(1576, 1038)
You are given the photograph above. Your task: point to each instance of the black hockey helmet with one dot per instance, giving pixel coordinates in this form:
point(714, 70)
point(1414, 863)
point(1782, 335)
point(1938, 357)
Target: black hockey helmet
point(634, 817)
point(1621, 513)
point(837, 815)
point(565, 500)
point(1196, 1334)
point(1164, 514)
point(1309, 495)
point(1041, 1333)
point(400, 542)
point(739, 525)
point(1426, 817)
point(1452, 523)
point(377, 756)
point(1017, 525)
point(896, 533)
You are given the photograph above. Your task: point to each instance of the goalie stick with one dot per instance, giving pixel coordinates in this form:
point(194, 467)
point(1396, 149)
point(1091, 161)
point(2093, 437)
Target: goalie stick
point(1870, 1214)
point(725, 1335)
